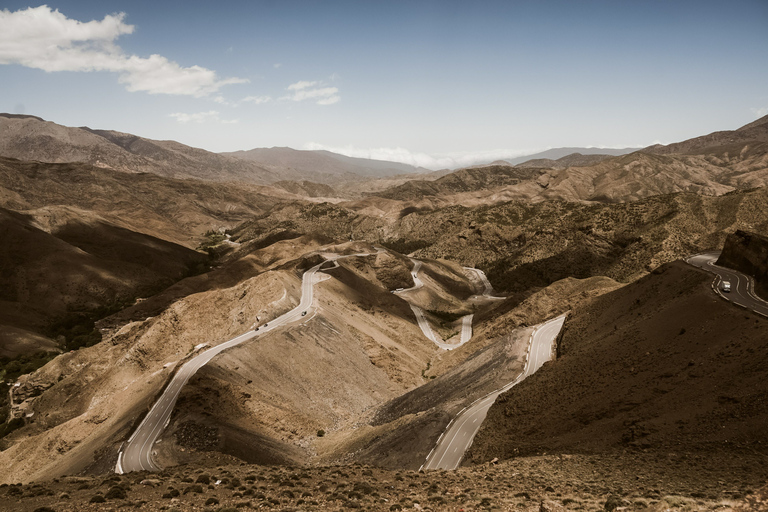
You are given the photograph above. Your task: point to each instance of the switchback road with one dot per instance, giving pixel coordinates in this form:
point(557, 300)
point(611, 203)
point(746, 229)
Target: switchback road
point(465, 334)
point(458, 436)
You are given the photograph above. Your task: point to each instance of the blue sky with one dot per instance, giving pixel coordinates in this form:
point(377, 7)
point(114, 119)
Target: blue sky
point(438, 84)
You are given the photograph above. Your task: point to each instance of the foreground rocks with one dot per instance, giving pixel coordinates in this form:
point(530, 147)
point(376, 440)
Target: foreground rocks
point(629, 481)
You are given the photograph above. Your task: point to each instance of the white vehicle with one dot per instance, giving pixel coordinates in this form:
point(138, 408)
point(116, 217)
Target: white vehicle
point(726, 286)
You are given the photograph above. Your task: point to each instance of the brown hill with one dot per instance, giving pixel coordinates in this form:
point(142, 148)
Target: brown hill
point(83, 266)
point(465, 180)
point(31, 138)
point(661, 365)
point(572, 160)
point(322, 166)
point(711, 165)
point(523, 246)
point(750, 138)
point(175, 210)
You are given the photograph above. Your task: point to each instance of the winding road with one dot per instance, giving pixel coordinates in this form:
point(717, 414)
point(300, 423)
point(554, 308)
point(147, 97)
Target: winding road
point(136, 454)
point(742, 286)
point(465, 334)
point(458, 436)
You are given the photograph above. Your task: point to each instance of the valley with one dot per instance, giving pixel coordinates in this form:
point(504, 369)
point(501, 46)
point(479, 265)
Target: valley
point(545, 333)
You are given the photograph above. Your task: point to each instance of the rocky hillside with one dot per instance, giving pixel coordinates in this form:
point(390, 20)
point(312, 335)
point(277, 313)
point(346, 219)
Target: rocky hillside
point(465, 180)
point(180, 211)
point(661, 365)
point(748, 252)
point(31, 138)
point(572, 160)
point(711, 165)
point(533, 484)
point(81, 268)
point(523, 246)
point(750, 138)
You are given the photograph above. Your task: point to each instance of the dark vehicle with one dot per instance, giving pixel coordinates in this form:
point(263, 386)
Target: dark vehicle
point(303, 313)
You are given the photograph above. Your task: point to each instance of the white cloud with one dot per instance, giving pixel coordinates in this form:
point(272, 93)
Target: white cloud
point(760, 112)
point(434, 162)
point(212, 116)
point(303, 84)
point(277, 65)
point(313, 90)
point(257, 100)
point(41, 38)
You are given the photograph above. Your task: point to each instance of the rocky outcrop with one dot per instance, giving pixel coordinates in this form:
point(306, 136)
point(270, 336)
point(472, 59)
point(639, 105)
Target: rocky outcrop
point(748, 253)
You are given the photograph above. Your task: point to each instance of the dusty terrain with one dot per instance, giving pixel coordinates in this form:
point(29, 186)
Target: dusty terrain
point(523, 247)
point(660, 366)
point(657, 400)
point(532, 484)
point(710, 165)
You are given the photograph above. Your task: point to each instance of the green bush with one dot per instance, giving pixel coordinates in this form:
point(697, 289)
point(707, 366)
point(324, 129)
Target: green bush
point(320, 433)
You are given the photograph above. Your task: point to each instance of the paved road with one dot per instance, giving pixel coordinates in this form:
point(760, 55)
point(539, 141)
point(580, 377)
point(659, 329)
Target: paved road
point(487, 287)
point(137, 453)
point(465, 333)
point(742, 286)
point(458, 436)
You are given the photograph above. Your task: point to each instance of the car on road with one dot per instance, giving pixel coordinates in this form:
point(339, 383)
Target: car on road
point(303, 313)
point(726, 286)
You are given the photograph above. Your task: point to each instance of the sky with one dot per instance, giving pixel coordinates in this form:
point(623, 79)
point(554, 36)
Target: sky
point(431, 83)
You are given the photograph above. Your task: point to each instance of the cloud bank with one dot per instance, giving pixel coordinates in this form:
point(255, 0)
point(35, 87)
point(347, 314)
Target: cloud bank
point(307, 90)
point(433, 162)
point(212, 116)
point(42, 38)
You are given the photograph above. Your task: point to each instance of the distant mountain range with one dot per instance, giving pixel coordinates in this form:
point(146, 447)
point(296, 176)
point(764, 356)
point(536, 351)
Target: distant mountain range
point(710, 165)
point(332, 167)
point(557, 153)
point(34, 139)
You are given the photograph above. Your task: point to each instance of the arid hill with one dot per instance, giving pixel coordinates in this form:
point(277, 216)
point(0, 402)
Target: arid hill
point(34, 139)
point(322, 166)
point(31, 138)
point(79, 267)
point(465, 180)
point(711, 165)
point(176, 210)
point(661, 365)
point(572, 160)
point(523, 246)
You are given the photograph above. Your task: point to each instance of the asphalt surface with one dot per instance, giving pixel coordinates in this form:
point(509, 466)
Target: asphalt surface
point(742, 286)
point(136, 454)
point(465, 334)
point(458, 436)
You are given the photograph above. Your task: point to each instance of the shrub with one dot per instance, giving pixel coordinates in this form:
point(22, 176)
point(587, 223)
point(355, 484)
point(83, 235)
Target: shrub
point(98, 498)
point(320, 433)
point(115, 493)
